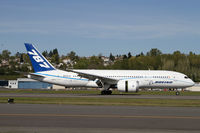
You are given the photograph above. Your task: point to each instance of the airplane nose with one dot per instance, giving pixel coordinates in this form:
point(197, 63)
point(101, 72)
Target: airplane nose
point(192, 83)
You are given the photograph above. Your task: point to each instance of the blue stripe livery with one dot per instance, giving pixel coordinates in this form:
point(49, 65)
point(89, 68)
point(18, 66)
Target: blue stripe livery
point(39, 62)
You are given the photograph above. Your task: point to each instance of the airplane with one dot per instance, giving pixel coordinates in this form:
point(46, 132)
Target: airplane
point(123, 80)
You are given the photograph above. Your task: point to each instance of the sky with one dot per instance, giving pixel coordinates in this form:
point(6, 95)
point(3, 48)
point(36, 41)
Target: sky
point(93, 27)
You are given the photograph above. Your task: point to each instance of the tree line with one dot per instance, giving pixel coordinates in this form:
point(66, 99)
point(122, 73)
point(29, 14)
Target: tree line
point(154, 59)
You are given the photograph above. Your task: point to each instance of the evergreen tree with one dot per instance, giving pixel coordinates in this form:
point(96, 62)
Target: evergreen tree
point(45, 53)
point(154, 52)
point(129, 55)
point(55, 51)
point(72, 55)
point(5, 54)
point(125, 56)
point(21, 58)
point(111, 57)
point(50, 54)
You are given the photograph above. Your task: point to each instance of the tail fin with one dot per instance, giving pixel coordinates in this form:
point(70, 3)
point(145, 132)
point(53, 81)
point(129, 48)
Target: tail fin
point(39, 62)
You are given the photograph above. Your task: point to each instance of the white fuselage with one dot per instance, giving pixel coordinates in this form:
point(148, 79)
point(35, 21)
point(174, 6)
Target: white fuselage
point(146, 78)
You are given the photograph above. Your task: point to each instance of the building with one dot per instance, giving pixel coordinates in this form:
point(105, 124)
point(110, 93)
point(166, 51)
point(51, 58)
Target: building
point(13, 84)
point(4, 83)
point(106, 60)
point(25, 83)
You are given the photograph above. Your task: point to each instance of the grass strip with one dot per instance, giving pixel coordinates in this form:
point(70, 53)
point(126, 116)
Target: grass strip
point(39, 91)
point(107, 101)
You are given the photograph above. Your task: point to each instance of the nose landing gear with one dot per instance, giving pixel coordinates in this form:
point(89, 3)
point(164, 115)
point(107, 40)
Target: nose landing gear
point(177, 93)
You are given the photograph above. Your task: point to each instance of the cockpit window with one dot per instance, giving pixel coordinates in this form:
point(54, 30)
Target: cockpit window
point(186, 77)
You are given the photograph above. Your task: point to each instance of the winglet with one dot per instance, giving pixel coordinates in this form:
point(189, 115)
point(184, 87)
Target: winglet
point(39, 62)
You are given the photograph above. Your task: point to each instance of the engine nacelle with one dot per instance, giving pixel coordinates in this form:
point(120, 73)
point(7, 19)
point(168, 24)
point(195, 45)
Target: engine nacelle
point(99, 83)
point(128, 86)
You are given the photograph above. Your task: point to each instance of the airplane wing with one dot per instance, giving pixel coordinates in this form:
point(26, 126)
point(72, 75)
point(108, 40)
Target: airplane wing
point(94, 77)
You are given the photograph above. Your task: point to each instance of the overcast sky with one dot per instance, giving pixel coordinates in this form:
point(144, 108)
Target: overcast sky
point(91, 27)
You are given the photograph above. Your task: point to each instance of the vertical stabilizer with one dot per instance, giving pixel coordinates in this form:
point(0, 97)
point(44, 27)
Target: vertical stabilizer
point(39, 62)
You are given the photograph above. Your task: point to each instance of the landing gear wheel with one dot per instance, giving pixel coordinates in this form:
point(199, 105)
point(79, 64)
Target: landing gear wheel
point(106, 92)
point(109, 92)
point(103, 92)
point(177, 93)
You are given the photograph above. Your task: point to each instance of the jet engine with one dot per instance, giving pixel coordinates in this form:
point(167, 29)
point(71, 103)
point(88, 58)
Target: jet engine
point(128, 86)
point(99, 83)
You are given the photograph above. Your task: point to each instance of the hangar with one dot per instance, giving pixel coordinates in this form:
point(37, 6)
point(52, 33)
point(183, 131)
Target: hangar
point(24, 83)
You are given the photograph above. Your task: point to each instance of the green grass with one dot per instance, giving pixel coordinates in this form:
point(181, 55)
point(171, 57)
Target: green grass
point(183, 93)
point(39, 91)
point(106, 101)
point(92, 91)
point(102, 100)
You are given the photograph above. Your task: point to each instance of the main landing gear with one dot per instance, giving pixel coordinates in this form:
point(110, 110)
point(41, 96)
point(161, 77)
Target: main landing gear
point(105, 87)
point(106, 92)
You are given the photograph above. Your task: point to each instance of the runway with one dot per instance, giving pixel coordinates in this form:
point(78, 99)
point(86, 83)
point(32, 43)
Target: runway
point(98, 95)
point(112, 119)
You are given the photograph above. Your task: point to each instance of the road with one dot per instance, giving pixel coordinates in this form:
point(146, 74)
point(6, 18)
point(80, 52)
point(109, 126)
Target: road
point(43, 118)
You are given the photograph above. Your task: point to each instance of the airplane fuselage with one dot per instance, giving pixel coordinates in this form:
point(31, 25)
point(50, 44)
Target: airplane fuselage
point(146, 78)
